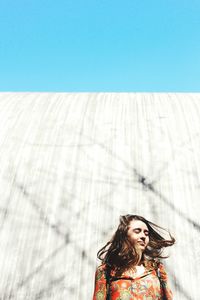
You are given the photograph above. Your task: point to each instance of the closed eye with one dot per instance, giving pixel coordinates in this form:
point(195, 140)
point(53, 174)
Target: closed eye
point(138, 230)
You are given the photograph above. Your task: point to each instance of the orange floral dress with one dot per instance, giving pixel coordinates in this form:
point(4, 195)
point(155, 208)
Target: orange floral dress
point(145, 286)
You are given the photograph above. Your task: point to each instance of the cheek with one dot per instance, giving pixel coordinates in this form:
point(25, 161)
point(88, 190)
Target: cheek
point(132, 237)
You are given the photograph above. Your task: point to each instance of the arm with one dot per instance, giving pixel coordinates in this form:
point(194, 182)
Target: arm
point(164, 279)
point(100, 284)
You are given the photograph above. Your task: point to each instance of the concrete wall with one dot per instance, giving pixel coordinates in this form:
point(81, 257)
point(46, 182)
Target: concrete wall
point(71, 163)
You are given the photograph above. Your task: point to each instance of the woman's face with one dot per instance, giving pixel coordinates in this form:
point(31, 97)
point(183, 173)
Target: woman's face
point(138, 234)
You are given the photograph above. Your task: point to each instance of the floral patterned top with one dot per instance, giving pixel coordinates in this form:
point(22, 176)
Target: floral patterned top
point(145, 286)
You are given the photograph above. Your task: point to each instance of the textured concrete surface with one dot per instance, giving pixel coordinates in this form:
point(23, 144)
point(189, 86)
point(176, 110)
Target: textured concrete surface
point(71, 163)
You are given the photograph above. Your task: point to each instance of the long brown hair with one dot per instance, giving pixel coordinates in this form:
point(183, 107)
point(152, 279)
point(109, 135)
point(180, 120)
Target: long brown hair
point(119, 254)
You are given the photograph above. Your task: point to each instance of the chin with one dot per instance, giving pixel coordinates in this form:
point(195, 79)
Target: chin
point(142, 247)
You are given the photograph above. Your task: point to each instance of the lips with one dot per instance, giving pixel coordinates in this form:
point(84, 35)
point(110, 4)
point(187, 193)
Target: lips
point(141, 243)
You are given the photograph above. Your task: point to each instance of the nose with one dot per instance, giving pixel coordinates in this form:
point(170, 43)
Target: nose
point(142, 236)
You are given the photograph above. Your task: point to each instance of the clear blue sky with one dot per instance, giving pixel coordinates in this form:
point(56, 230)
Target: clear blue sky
point(90, 45)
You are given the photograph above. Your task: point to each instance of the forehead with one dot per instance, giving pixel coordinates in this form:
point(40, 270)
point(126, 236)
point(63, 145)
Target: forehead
point(137, 224)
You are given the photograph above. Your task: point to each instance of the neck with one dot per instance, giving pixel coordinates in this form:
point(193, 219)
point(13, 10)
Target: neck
point(140, 259)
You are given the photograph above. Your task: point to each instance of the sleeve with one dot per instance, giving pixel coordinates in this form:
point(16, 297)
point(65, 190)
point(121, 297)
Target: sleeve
point(100, 285)
point(164, 278)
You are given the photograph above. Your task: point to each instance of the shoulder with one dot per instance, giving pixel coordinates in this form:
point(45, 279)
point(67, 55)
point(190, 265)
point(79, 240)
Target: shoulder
point(161, 266)
point(102, 267)
point(152, 263)
point(162, 271)
point(100, 272)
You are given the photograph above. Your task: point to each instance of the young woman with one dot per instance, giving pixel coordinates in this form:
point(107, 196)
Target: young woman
point(130, 267)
